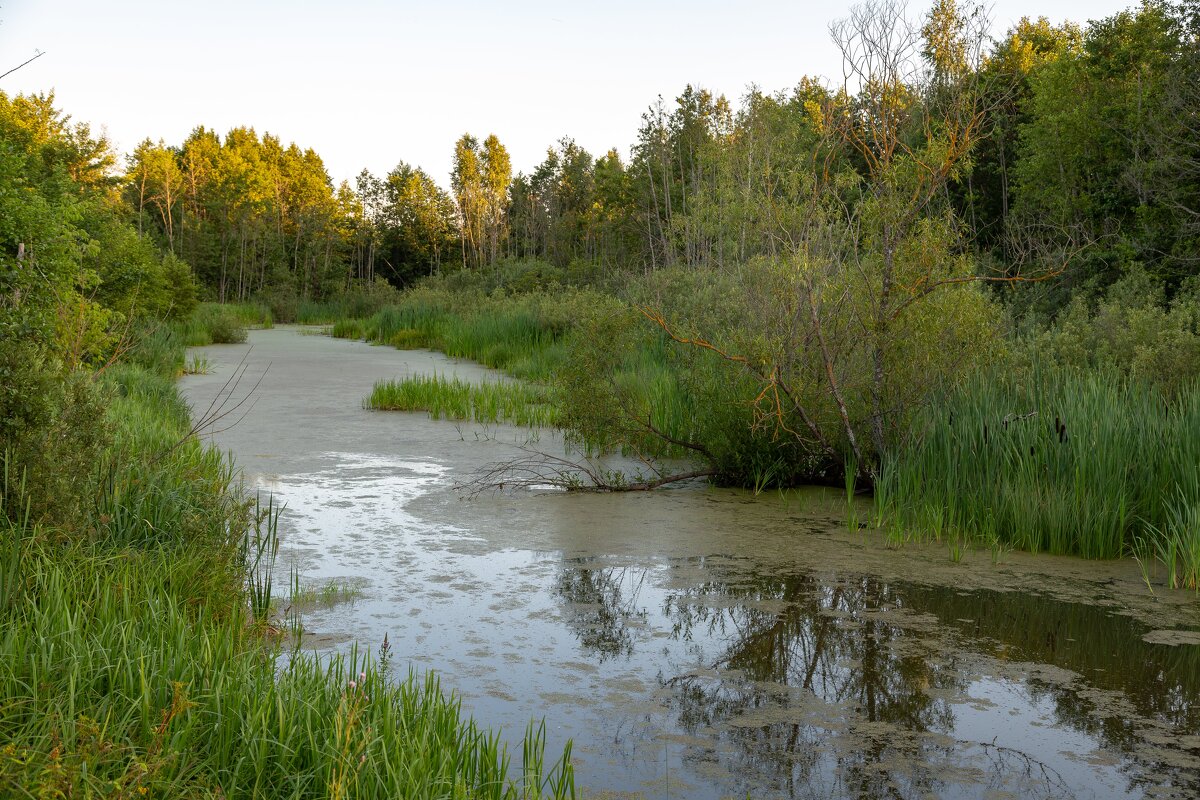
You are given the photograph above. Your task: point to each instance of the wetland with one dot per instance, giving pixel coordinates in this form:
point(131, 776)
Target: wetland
point(704, 642)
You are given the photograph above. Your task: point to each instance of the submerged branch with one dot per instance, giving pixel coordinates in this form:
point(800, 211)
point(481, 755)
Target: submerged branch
point(538, 470)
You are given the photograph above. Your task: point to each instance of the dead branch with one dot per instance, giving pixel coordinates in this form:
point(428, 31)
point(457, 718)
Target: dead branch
point(23, 63)
point(537, 470)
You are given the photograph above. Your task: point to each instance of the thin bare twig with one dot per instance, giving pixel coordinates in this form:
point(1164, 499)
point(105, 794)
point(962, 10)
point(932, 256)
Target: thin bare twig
point(23, 63)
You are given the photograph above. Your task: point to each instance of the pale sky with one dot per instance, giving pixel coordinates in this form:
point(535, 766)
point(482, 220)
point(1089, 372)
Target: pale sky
point(367, 83)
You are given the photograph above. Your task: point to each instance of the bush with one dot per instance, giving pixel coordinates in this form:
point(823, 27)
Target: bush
point(53, 431)
point(213, 323)
point(1132, 330)
point(284, 305)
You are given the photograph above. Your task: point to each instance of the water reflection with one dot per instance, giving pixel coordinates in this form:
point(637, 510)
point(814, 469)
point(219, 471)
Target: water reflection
point(852, 686)
point(603, 604)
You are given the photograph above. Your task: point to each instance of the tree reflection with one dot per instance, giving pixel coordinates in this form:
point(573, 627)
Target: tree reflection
point(603, 603)
point(823, 686)
point(841, 686)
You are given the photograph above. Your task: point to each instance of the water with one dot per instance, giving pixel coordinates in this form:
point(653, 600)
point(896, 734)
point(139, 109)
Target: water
point(706, 643)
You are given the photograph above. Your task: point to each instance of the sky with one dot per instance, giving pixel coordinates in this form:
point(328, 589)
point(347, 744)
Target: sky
point(368, 83)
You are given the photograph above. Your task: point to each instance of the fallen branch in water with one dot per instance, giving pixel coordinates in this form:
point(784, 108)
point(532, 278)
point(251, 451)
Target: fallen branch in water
point(536, 470)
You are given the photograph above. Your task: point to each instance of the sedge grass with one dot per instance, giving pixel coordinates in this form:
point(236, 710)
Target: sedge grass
point(520, 335)
point(305, 595)
point(1071, 463)
point(114, 687)
point(455, 399)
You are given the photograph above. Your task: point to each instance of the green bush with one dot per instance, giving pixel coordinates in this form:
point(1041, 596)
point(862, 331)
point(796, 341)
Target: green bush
point(214, 323)
point(1132, 330)
point(53, 432)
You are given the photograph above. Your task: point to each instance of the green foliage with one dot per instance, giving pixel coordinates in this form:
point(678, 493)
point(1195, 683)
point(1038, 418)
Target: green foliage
point(52, 434)
point(452, 398)
point(1132, 330)
point(1087, 157)
point(157, 346)
point(520, 334)
point(360, 300)
point(1089, 464)
point(116, 687)
point(224, 323)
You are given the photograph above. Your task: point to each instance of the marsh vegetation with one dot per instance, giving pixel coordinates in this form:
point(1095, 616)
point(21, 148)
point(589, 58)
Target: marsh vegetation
point(962, 282)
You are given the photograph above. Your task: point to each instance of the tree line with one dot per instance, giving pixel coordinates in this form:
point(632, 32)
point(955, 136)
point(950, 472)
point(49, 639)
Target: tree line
point(1084, 139)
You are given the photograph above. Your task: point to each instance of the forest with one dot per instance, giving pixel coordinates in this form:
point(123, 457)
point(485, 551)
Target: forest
point(964, 281)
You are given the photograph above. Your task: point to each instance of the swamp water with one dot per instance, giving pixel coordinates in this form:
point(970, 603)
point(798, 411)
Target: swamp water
point(702, 643)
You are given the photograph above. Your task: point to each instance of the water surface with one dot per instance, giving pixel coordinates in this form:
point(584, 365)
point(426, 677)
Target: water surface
point(707, 643)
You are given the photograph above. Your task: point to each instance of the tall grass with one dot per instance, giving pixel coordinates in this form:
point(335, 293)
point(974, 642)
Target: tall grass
point(134, 660)
point(521, 335)
point(217, 323)
point(455, 399)
point(115, 687)
point(1066, 462)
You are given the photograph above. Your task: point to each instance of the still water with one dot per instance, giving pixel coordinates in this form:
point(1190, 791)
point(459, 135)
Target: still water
point(697, 642)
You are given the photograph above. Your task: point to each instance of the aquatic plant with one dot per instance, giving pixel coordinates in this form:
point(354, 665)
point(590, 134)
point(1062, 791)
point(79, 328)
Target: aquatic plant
point(324, 594)
point(1083, 463)
point(259, 551)
point(455, 399)
point(197, 365)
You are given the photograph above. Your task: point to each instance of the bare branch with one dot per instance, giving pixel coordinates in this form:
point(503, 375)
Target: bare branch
point(538, 470)
point(23, 63)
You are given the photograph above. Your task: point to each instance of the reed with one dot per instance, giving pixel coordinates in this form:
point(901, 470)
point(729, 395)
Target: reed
point(328, 593)
point(113, 686)
point(455, 399)
point(1082, 463)
point(521, 335)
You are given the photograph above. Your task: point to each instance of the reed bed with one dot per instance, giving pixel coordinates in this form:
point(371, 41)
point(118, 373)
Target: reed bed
point(1079, 463)
point(114, 686)
point(455, 399)
point(135, 660)
point(522, 335)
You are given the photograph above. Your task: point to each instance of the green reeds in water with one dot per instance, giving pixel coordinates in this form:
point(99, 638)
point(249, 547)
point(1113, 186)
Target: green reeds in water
point(454, 399)
point(320, 595)
point(224, 323)
point(1085, 464)
point(260, 549)
point(515, 335)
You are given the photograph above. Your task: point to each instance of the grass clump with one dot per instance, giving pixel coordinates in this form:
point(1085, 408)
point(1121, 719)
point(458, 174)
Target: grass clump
point(455, 399)
point(304, 595)
point(520, 334)
point(1081, 463)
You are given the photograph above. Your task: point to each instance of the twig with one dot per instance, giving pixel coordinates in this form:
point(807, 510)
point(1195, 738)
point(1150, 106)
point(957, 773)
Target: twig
point(23, 63)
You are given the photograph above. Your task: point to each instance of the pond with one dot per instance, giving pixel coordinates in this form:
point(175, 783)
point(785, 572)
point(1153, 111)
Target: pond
point(698, 642)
